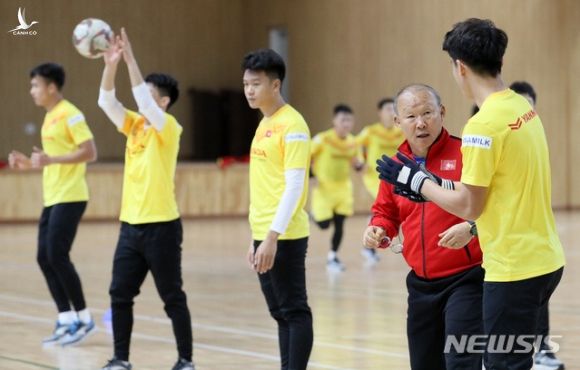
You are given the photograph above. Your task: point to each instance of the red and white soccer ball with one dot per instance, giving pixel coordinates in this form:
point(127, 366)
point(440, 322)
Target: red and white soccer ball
point(91, 37)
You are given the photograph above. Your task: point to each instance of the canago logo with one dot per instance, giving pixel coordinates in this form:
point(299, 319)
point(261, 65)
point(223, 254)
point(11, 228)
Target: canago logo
point(22, 29)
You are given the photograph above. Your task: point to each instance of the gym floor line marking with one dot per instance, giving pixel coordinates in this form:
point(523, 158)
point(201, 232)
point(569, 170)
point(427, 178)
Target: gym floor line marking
point(155, 338)
point(21, 361)
point(221, 329)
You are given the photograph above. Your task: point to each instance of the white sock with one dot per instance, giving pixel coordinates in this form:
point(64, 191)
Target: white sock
point(67, 318)
point(331, 255)
point(84, 316)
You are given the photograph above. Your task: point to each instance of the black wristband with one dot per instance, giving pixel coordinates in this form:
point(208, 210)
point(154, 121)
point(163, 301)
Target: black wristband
point(472, 228)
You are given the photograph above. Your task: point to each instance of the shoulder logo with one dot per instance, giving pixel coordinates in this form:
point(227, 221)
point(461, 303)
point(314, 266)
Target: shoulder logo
point(477, 141)
point(296, 136)
point(22, 29)
point(523, 119)
point(76, 119)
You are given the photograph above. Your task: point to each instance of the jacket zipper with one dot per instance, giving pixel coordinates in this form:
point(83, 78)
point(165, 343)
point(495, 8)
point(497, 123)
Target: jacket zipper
point(423, 227)
point(423, 240)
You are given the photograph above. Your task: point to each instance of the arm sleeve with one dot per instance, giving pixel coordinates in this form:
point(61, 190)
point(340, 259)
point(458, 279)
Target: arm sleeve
point(481, 149)
point(385, 212)
point(78, 128)
point(290, 198)
point(112, 107)
point(148, 107)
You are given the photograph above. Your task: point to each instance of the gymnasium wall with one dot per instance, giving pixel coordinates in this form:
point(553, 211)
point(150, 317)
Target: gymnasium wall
point(197, 41)
point(352, 51)
point(357, 51)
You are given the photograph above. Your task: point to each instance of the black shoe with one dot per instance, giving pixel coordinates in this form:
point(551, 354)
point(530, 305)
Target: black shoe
point(116, 364)
point(182, 364)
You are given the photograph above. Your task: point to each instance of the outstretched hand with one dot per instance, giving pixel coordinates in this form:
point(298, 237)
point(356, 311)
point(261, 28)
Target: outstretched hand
point(126, 47)
point(405, 174)
point(114, 53)
point(408, 177)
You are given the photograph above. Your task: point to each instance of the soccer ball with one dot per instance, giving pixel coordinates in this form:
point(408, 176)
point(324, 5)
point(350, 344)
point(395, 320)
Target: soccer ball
point(91, 37)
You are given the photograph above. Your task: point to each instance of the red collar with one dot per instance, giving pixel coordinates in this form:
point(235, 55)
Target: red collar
point(436, 148)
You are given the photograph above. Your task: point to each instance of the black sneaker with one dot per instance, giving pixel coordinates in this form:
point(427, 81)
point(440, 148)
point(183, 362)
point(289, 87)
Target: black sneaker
point(116, 364)
point(182, 364)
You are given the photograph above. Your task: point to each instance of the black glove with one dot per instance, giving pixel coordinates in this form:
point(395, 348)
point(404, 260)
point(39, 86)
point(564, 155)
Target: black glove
point(411, 195)
point(408, 176)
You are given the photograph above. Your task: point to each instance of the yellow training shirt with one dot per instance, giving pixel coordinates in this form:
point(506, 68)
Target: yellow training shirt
point(505, 150)
point(333, 157)
point(281, 142)
point(63, 130)
point(378, 140)
point(150, 160)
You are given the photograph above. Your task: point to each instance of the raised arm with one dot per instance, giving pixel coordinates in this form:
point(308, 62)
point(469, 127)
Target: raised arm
point(107, 100)
point(145, 101)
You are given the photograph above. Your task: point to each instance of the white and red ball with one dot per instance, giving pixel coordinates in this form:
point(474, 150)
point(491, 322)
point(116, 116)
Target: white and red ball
point(91, 37)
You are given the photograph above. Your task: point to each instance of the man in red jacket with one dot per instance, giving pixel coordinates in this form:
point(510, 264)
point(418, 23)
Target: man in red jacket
point(446, 281)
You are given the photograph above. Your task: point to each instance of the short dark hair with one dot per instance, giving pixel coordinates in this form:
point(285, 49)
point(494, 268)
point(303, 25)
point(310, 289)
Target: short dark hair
point(266, 60)
point(384, 101)
point(523, 87)
point(341, 108)
point(51, 72)
point(166, 85)
point(479, 44)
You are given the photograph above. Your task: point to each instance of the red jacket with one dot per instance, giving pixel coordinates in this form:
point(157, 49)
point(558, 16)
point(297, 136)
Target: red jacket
point(421, 223)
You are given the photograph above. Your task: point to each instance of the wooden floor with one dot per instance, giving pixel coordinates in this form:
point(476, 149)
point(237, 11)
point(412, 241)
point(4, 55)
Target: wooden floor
point(359, 315)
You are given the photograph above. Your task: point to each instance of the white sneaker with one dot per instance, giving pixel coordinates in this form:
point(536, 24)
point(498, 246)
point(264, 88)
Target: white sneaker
point(370, 255)
point(59, 332)
point(335, 265)
point(77, 332)
point(547, 361)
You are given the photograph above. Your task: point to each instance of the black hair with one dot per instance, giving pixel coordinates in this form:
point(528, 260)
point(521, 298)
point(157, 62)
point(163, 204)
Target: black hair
point(417, 87)
point(341, 108)
point(266, 60)
point(384, 101)
point(523, 87)
point(166, 85)
point(479, 44)
point(51, 72)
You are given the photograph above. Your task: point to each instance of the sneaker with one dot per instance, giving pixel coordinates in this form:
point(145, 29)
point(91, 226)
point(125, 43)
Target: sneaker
point(335, 265)
point(547, 361)
point(370, 255)
point(115, 364)
point(59, 332)
point(77, 332)
point(182, 364)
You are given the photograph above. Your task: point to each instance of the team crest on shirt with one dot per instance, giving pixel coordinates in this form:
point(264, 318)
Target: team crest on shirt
point(448, 164)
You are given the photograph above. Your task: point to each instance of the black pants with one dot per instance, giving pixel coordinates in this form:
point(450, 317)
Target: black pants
point(284, 288)
point(512, 309)
point(449, 306)
point(544, 326)
point(338, 221)
point(154, 247)
point(56, 232)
